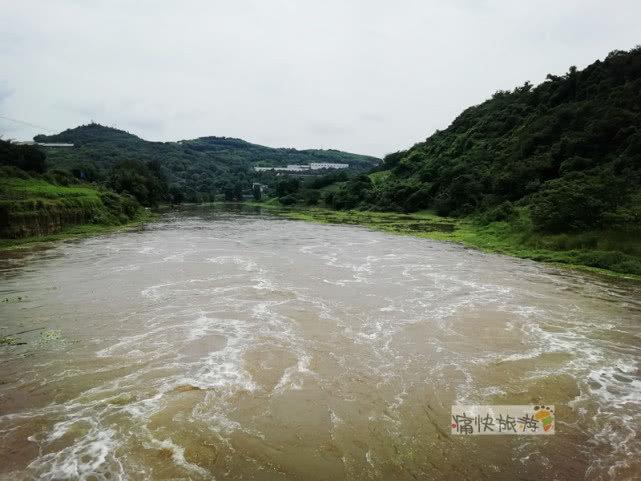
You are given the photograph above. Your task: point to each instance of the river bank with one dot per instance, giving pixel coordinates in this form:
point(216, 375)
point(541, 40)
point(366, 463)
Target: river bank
point(585, 252)
point(75, 232)
point(35, 211)
point(591, 252)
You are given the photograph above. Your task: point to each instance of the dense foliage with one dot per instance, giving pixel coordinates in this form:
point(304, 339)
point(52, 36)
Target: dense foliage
point(146, 182)
point(568, 152)
point(37, 203)
point(196, 170)
point(24, 157)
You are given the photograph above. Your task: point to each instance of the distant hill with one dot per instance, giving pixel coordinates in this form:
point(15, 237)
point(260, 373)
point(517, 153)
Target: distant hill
point(199, 167)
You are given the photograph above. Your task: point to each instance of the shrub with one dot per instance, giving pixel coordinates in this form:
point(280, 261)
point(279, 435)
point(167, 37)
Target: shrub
point(575, 203)
point(502, 212)
point(288, 199)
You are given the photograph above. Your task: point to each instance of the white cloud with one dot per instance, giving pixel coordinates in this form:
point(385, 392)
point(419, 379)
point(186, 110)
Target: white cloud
point(367, 76)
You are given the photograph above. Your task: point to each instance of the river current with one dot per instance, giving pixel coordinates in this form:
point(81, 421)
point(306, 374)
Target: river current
point(215, 344)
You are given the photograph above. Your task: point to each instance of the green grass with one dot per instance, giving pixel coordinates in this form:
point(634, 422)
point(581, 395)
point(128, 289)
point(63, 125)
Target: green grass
point(38, 189)
point(34, 211)
point(611, 253)
point(29, 197)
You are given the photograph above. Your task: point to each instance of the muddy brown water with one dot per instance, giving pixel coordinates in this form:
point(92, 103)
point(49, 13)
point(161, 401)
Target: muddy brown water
point(233, 345)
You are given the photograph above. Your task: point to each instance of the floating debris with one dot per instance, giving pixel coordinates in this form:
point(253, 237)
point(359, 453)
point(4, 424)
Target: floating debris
point(185, 388)
point(10, 341)
point(53, 338)
point(12, 299)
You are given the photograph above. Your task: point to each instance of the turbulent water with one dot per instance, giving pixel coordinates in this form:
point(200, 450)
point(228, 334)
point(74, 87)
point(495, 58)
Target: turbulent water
point(221, 345)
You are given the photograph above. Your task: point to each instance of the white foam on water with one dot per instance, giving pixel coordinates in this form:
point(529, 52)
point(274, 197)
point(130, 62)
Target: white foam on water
point(618, 384)
point(128, 268)
point(177, 455)
point(90, 457)
point(390, 288)
point(294, 376)
point(246, 264)
point(199, 327)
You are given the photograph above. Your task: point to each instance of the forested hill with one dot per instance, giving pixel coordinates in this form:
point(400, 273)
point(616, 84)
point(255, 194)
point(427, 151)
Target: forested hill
point(567, 153)
point(199, 168)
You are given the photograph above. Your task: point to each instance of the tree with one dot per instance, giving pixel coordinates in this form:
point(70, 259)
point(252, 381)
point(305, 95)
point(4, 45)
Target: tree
point(353, 193)
point(233, 192)
point(176, 195)
point(577, 202)
point(286, 186)
point(139, 180)
point(25, 157)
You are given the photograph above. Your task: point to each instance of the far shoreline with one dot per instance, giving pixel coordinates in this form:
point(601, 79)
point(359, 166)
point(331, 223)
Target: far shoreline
point(73, 232)
point(463, 232)
point(420, 224)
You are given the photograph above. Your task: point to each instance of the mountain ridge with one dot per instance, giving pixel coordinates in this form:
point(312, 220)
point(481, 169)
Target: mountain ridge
point(77, 135)
point(200, 168)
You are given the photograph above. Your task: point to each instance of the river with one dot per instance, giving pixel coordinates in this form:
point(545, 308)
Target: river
point(216, 344)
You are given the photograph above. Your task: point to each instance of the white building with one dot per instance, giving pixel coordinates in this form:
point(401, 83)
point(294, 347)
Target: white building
point(44, 144)
point(327, 165)
point(297, 167)
point(303, 167)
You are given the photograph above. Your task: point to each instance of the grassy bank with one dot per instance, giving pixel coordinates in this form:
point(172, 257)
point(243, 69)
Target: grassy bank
point(611, 253)
point(35, 211)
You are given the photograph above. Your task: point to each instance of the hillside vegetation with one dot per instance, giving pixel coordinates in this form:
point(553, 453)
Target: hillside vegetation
point(569, 150)
point(196, 170)
point(35, 203)
point(552, 168)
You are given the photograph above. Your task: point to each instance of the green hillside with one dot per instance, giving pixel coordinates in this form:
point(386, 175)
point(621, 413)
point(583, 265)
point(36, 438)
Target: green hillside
point(32, 207)
point(551, 172)
point(569, 150)
point(36, 204)
point(198, 168)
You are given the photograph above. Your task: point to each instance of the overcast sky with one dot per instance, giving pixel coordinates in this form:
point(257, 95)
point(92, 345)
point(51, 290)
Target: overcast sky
point(367, 76)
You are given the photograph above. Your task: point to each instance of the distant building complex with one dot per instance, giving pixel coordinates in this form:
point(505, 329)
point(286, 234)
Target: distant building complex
point(44, 144)
point(327, 165)
point(303, 167)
